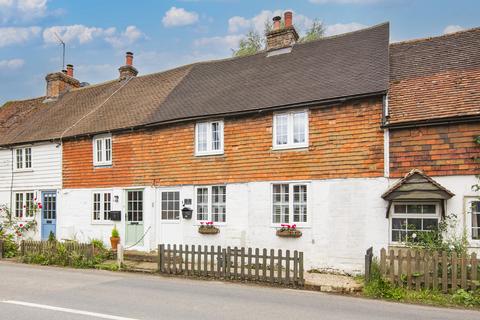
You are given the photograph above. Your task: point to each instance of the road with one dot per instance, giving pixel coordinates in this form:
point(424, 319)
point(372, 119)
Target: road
point(34, 292)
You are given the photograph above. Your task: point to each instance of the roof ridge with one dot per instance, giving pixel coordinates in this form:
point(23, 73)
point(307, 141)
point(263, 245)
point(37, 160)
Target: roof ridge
point(446, 35)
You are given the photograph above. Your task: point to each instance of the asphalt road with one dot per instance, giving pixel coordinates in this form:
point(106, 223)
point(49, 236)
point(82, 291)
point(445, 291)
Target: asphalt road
point(33, 292)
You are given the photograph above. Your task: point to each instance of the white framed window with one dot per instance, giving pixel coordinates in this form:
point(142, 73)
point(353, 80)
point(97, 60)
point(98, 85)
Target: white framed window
point(170, 205)
point(24, 203)
point(102, 206)
point(135, 206)
point(407, 218)
point(209, 138)
point(102, 150)
point(211, 203)
point(23, 159)
point(290, 130)
point(290, 203)
point(473, 218)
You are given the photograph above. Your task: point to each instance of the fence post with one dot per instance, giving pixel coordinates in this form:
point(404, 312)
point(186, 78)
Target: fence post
point(22, 247)
point(368, 263)
point(161, 252)
point(120, 255)
point(1, 249)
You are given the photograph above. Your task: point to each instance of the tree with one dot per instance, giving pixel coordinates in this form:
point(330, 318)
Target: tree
point(315, 32)
point(251, 44)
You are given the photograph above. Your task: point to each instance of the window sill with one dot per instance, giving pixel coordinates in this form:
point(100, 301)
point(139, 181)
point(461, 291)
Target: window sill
point(164, 221)
point(278, 226)
point(303, 147)
point(103, 223)
point(215, 224)
point(103, 165)
point(209, 154)
point(22, 170)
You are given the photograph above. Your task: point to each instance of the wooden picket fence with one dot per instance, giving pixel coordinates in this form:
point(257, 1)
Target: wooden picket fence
point(1, 249)
point(233, 263)
point(43, 247)
point(421, 269)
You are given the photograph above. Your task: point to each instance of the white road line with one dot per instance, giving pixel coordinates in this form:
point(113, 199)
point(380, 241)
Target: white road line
point(67, 310)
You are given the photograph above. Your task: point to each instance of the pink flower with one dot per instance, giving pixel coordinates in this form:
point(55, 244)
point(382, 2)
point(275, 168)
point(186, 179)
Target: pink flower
point(39, 205)
point(21, 225)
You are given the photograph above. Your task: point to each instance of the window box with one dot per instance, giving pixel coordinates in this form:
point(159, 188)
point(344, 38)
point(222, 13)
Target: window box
point(208, 228)
point(289, 231)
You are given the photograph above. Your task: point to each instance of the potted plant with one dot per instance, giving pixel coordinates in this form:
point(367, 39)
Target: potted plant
point(115, 238)
point(208, 228)
point(289, 231)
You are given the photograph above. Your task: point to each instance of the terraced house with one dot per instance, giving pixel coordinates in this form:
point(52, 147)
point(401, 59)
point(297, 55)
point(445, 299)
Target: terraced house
point(313, 134)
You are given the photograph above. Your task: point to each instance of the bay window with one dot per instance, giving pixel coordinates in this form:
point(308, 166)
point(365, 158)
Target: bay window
point(409, 218)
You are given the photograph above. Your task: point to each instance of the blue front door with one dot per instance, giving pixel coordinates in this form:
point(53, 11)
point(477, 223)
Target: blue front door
point(49, 213)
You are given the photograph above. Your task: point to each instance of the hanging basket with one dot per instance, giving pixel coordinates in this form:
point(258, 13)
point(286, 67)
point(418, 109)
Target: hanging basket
point(289, 233)
point(208, 230)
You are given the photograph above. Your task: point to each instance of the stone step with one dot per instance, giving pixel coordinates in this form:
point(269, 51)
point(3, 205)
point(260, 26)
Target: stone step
point(140, 256)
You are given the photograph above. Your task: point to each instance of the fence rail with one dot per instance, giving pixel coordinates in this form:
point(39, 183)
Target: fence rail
point(421, 269)
point(44, 247)
point(233, 263)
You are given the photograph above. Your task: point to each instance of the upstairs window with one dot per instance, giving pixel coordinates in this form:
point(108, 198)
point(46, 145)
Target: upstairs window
point(209, 138)
point(412, 218)
point(290, 130)
point(102, 150)
point(102, 205)
point(23, 158)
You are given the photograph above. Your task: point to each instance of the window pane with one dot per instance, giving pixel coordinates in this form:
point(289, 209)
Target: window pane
point(19, 158)
point(414, 224)
point(202, 133)
point(476, 220)
point(281, 129)
point(429, 208)
point(281, 209)
point(107, 205)
point(170, 205)
point(414, 208)
point(108, 149)
point(99, 150)
point(300, 203)
point(96, 206)
point(216, 136)
point(399, 223)
point(299, 127)
point(19, 205)
point(430, 224)
point(202, 204)
point(400, 208)
point(29, 202)
point(28, 157)
point(218, 203)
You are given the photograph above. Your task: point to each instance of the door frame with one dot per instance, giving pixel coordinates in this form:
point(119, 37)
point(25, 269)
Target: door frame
point(42, 194)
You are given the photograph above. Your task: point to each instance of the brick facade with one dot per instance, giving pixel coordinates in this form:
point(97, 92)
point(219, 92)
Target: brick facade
point(346, 141)
point(437, 150)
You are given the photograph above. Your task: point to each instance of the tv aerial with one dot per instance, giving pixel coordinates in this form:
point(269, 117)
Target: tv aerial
point(63, 49)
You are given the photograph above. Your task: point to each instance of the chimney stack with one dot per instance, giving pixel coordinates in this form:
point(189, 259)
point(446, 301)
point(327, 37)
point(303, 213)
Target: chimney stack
point(281, 38)
point(59, 83)
point(128, 70)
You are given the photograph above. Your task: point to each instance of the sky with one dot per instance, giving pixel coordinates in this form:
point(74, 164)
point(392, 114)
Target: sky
point(165, 34)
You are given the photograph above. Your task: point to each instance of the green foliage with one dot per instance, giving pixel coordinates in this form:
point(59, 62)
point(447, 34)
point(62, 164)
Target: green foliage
point(315, 32)
point(115, 233)
point(51, 237)
point(10, 247)
point(251, 44)
point(465, 298)
point(98, 244)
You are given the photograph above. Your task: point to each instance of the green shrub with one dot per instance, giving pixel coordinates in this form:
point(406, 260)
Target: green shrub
point(115, 233)
point(10, 247)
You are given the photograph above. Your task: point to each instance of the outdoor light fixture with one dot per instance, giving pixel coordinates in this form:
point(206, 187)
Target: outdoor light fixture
point(115, 198)
point(187, 213)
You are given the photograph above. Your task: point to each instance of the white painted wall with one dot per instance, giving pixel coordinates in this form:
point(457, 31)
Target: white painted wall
point(45, 175)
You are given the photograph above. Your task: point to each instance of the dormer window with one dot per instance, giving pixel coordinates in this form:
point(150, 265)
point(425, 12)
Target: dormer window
point(23, 159)
point(102, 150)
point(209, 138)
point(290, 130)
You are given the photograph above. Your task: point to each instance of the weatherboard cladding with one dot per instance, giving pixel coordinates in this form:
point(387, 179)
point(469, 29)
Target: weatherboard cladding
point(342, 66)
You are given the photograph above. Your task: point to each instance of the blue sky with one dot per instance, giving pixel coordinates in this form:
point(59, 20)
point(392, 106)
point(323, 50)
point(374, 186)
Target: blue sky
point(164, 34)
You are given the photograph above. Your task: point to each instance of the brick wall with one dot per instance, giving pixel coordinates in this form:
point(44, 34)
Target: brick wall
point(438, 150)
point(345, 142)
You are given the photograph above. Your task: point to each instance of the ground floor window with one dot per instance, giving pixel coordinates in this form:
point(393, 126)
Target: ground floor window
point(170, 205)
point(24, 204)
point(290, 203)
point(102, 205)
point(135, 205)
point(211, 203)
point(408, 219)
point(475, 207)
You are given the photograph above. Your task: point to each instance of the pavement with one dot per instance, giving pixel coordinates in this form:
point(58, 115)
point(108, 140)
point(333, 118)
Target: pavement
point(36, 292)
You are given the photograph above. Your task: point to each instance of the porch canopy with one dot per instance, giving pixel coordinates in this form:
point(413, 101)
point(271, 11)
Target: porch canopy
point(417, 186)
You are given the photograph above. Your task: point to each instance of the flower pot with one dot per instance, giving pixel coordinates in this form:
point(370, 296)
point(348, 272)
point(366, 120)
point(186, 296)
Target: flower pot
point(114, 243)
point(208, 230)
point(289, 233)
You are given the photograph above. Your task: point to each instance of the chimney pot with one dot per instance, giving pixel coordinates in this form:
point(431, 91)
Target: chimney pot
point(288, 16)
point(70, 70)
point(129, 59)
point(276, 22)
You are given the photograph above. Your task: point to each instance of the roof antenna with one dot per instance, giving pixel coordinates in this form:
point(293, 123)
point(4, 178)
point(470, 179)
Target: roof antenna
point(63, 49)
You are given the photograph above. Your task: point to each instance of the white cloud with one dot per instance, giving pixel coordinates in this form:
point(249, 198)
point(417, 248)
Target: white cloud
point(13, 10)
point(75, 33)
point(452, 28)
point(11, 35)
point(126, 38)
point(236, 24)
point(229, 41)
point(176, 17)
point(339, 28)
point(11, 64)
point(344, 1)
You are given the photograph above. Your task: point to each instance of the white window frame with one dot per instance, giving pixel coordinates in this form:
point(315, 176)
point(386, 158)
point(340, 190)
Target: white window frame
point(393, 215)
point(102, 219)
point(170, 221)
point(209, 150)
point(291, 186)
point(23, 163)
point(468, 218)
point(210, 204)
point(290, 132)
point(24, 216)
point(103, 153)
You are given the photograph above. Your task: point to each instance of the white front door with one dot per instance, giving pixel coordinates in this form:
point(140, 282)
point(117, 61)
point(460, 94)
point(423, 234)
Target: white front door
point(170, 227)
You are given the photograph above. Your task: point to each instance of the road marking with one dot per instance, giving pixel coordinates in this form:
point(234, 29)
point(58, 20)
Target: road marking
point(67, 310)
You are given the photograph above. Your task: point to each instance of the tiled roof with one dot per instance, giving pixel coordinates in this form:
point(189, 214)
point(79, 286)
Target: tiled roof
point(435, 78)
point(352, 64)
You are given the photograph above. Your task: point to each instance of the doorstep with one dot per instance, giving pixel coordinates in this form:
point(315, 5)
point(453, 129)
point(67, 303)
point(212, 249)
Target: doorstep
point(333, 283)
